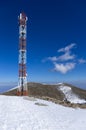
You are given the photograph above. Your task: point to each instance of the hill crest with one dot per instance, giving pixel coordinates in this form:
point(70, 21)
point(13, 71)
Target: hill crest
point(61, 93)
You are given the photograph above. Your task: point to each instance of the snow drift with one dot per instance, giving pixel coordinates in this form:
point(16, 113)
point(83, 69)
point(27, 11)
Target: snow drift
point(70, 96)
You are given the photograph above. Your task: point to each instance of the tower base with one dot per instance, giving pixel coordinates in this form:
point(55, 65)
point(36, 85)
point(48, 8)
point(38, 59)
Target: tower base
point(24, 93)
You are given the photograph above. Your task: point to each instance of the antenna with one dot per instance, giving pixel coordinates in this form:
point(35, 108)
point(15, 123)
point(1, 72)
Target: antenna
point(22, 79)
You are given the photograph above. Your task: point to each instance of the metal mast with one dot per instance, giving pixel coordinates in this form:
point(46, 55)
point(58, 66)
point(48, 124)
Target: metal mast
point(22, 80)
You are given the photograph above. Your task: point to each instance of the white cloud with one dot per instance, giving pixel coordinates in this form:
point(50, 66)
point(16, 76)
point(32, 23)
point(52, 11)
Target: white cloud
point(82, 61)
point(64, 68)
point(65, 57)
point(67, 53)
point(67, 48)
point(54, 58)
point(66, 61)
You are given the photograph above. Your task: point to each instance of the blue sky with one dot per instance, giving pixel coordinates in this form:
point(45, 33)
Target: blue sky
point(52, 25)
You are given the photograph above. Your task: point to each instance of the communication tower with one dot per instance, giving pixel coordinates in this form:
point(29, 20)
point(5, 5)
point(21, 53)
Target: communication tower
point(22, 78)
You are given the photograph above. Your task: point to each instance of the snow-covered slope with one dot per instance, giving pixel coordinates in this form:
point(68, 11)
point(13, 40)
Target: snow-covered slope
point(12, 88)
point(70, 96)
point(19, 113)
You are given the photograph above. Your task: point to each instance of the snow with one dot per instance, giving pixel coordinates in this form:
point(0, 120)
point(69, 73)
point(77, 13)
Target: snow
point(70, 96)
point(20, 113)
point(12, 88)
point(59, 83)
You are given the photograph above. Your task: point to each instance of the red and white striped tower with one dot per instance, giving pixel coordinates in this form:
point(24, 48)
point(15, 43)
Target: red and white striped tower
point(22, 80)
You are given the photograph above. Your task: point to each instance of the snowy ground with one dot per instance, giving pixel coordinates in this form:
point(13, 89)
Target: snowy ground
point(19, 113)
point(70, 96)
